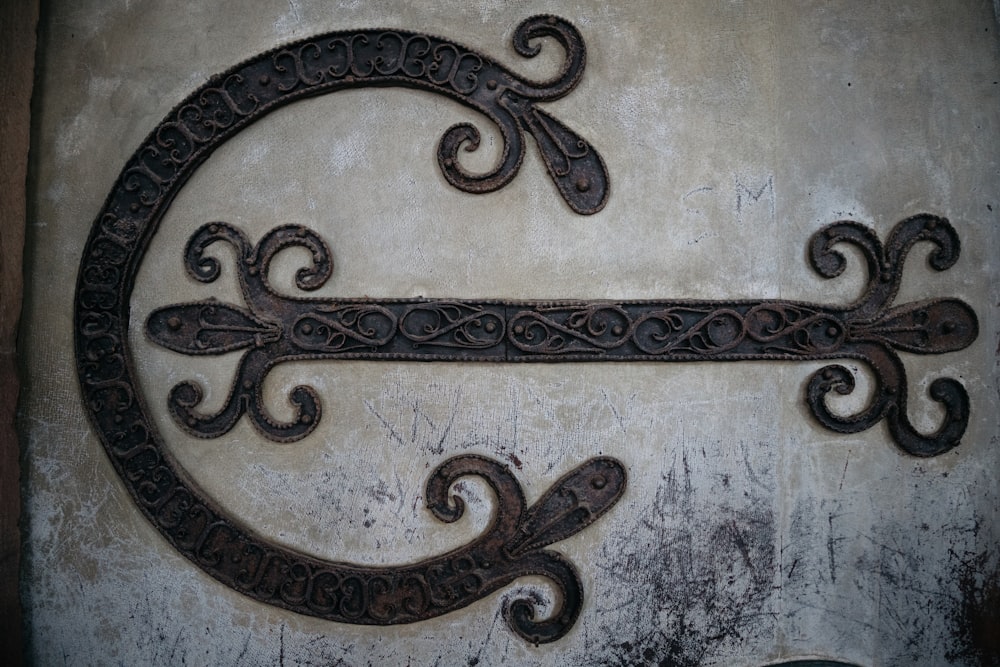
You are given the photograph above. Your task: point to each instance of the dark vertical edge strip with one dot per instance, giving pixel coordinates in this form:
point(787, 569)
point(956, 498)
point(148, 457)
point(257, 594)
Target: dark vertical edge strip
point(18, 22)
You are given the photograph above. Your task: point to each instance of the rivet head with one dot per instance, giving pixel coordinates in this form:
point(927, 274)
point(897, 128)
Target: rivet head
point(306, 419)
point(490, 327)
point(617, 330)
point(307, 329)
point(519, 329)
point(174, 323)
point(492, 84)
point(582, 184)
point(598, 481)
point(264, 80)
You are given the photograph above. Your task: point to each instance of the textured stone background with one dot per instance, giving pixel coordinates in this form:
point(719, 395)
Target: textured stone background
point(732, 131)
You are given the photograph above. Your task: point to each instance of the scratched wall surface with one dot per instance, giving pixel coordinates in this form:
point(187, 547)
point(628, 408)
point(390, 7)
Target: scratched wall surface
point(748, 533)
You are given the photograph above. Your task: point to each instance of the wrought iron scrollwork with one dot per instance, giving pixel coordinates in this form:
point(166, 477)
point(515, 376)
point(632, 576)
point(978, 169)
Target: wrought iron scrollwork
point(514, 544)
point(365, 58)
point(269, 328)
point(279, 328)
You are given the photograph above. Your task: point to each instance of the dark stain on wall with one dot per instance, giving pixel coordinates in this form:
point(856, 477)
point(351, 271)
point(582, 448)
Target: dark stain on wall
point(976, 616)
point(697, 577)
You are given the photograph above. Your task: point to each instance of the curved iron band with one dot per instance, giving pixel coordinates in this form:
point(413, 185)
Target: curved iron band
point(119, 237)
point(278, 328)
point(379, 58)
point(510, 548)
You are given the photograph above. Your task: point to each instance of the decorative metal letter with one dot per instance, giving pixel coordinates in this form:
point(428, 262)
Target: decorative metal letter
point(272, 328)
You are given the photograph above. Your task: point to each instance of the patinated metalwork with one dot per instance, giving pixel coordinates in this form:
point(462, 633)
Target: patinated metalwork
point(275, 328)
point(271, 328)
point(366, 58)
point(513, 545)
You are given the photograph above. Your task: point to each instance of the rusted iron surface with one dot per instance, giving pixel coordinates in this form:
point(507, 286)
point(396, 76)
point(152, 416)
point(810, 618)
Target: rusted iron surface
point(367, 58)
point(271, 328)
point(275, 328)
point(514, 544)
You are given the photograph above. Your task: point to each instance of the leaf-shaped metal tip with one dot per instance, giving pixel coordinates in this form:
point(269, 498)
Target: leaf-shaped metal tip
point(571, 504)
point(927, 327)
point(575, 166)
point(208, 327)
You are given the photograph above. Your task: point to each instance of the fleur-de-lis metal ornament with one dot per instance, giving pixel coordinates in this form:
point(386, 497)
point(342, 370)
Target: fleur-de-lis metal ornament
point(269, 328)
point(273, 328)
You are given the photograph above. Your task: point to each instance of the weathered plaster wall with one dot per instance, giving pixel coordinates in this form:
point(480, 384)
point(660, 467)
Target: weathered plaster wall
point(732, 131)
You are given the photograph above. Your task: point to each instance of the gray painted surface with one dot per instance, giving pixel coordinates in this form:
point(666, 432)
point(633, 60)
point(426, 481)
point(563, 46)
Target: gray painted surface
point(732, 131)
